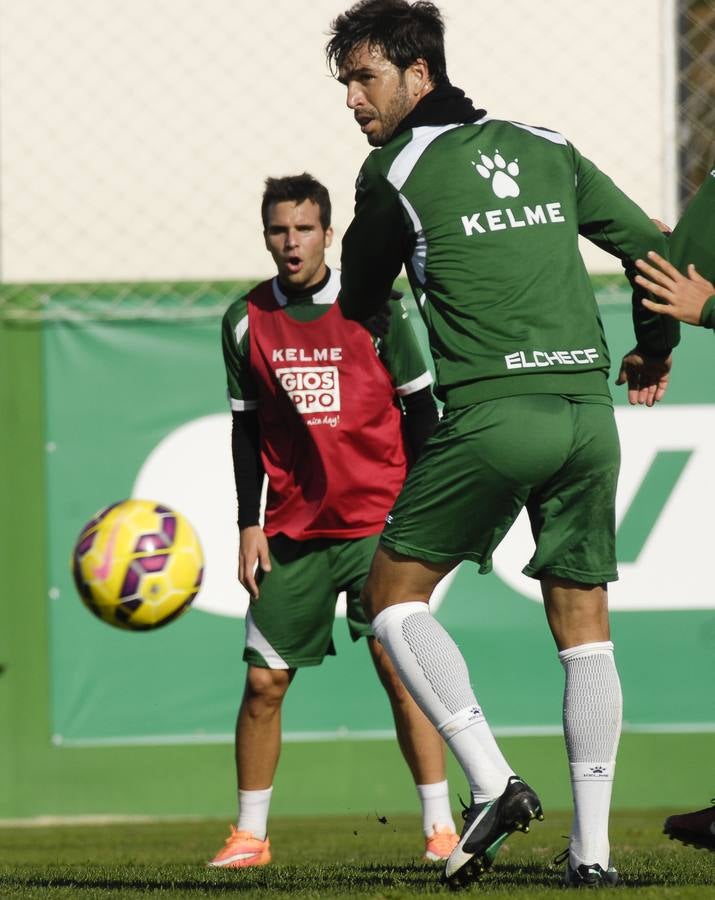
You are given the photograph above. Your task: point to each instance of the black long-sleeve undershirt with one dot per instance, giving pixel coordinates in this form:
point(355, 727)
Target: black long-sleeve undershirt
point(247, 466)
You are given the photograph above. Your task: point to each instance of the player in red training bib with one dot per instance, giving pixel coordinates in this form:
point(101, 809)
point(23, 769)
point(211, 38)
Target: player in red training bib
point(330, 413)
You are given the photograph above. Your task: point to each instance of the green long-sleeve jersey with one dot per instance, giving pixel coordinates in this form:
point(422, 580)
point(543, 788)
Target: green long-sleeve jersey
point(693, 241)
point(486, 217)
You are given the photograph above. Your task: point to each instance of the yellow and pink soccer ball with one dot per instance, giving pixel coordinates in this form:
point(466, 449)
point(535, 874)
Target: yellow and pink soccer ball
point(137, 564)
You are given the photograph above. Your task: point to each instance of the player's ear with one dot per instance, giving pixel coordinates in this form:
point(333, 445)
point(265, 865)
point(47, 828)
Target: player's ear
point(418, 78)
point(265, 240)
point(328, 239)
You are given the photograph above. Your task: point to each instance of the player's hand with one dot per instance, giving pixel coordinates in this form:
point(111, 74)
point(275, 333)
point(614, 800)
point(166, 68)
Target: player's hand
point(252, 554)
point(646, 376)
point(379, 324)
point(683, 296)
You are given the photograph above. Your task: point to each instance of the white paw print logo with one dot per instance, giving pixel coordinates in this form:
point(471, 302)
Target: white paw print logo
point(501, 173)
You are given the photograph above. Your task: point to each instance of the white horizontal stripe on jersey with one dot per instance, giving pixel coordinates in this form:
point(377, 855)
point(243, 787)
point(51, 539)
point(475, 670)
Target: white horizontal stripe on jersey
point(242, 405)
point(411, 387)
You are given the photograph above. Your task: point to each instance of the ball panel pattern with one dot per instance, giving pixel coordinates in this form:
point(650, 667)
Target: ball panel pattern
point(137, 564)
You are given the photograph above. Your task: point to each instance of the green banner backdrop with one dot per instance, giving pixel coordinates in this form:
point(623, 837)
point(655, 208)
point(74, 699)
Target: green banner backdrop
point(137, 408)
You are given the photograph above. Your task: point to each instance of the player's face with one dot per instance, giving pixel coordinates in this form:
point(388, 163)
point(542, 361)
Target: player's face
point(296, 240)
point(379, 94)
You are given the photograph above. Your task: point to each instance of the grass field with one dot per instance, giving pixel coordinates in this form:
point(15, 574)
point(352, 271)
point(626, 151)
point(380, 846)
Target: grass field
point(347, 856)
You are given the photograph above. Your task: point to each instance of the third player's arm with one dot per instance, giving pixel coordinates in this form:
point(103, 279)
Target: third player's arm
point(686, 288)
point(693, 238)
point(687, 297)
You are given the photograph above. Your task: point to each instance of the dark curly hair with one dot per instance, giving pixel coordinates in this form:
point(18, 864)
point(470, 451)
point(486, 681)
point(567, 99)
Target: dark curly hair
point(403, 31)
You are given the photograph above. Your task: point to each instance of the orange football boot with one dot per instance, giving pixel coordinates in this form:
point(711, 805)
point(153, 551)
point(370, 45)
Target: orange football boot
point(242, 849)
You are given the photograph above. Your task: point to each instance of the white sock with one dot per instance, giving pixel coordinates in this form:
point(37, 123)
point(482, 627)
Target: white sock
point(253, 812)
point(434, 672)
point(435, 806)
point(592, 714)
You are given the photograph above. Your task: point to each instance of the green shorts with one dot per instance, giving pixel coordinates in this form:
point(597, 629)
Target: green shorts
point(291, 623)
point(558, 456)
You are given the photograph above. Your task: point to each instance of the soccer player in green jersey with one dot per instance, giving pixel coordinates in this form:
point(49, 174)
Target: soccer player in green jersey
point(684, 286)
point(686, 290)
point(334, 456)
point(485, 215)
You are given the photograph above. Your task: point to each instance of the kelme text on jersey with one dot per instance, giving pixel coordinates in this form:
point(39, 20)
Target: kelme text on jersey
point(300, 354)
point(500, 219)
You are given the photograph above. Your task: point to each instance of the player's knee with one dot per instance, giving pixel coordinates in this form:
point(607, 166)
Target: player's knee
point(265, 688)
point(395, 578)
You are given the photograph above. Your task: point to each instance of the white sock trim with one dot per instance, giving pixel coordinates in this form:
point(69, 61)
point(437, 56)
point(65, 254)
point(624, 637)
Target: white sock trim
point(435, 789)
point(465, 718)
point(396, 613)
point(593, 649)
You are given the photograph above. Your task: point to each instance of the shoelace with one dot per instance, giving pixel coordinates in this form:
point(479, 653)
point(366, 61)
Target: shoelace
point(234, 835)
point(467, 809)
point(561, 858)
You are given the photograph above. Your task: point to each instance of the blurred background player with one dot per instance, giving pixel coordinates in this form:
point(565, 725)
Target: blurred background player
point(486, 214)
point(685, 284)
point(333, 415)
point(686, 290)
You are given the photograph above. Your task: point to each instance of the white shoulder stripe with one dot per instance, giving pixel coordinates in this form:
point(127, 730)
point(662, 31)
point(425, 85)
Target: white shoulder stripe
point(411, 387)
point(552, 136)
point(407, 158)
point(240, 329)
point(422, 137)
